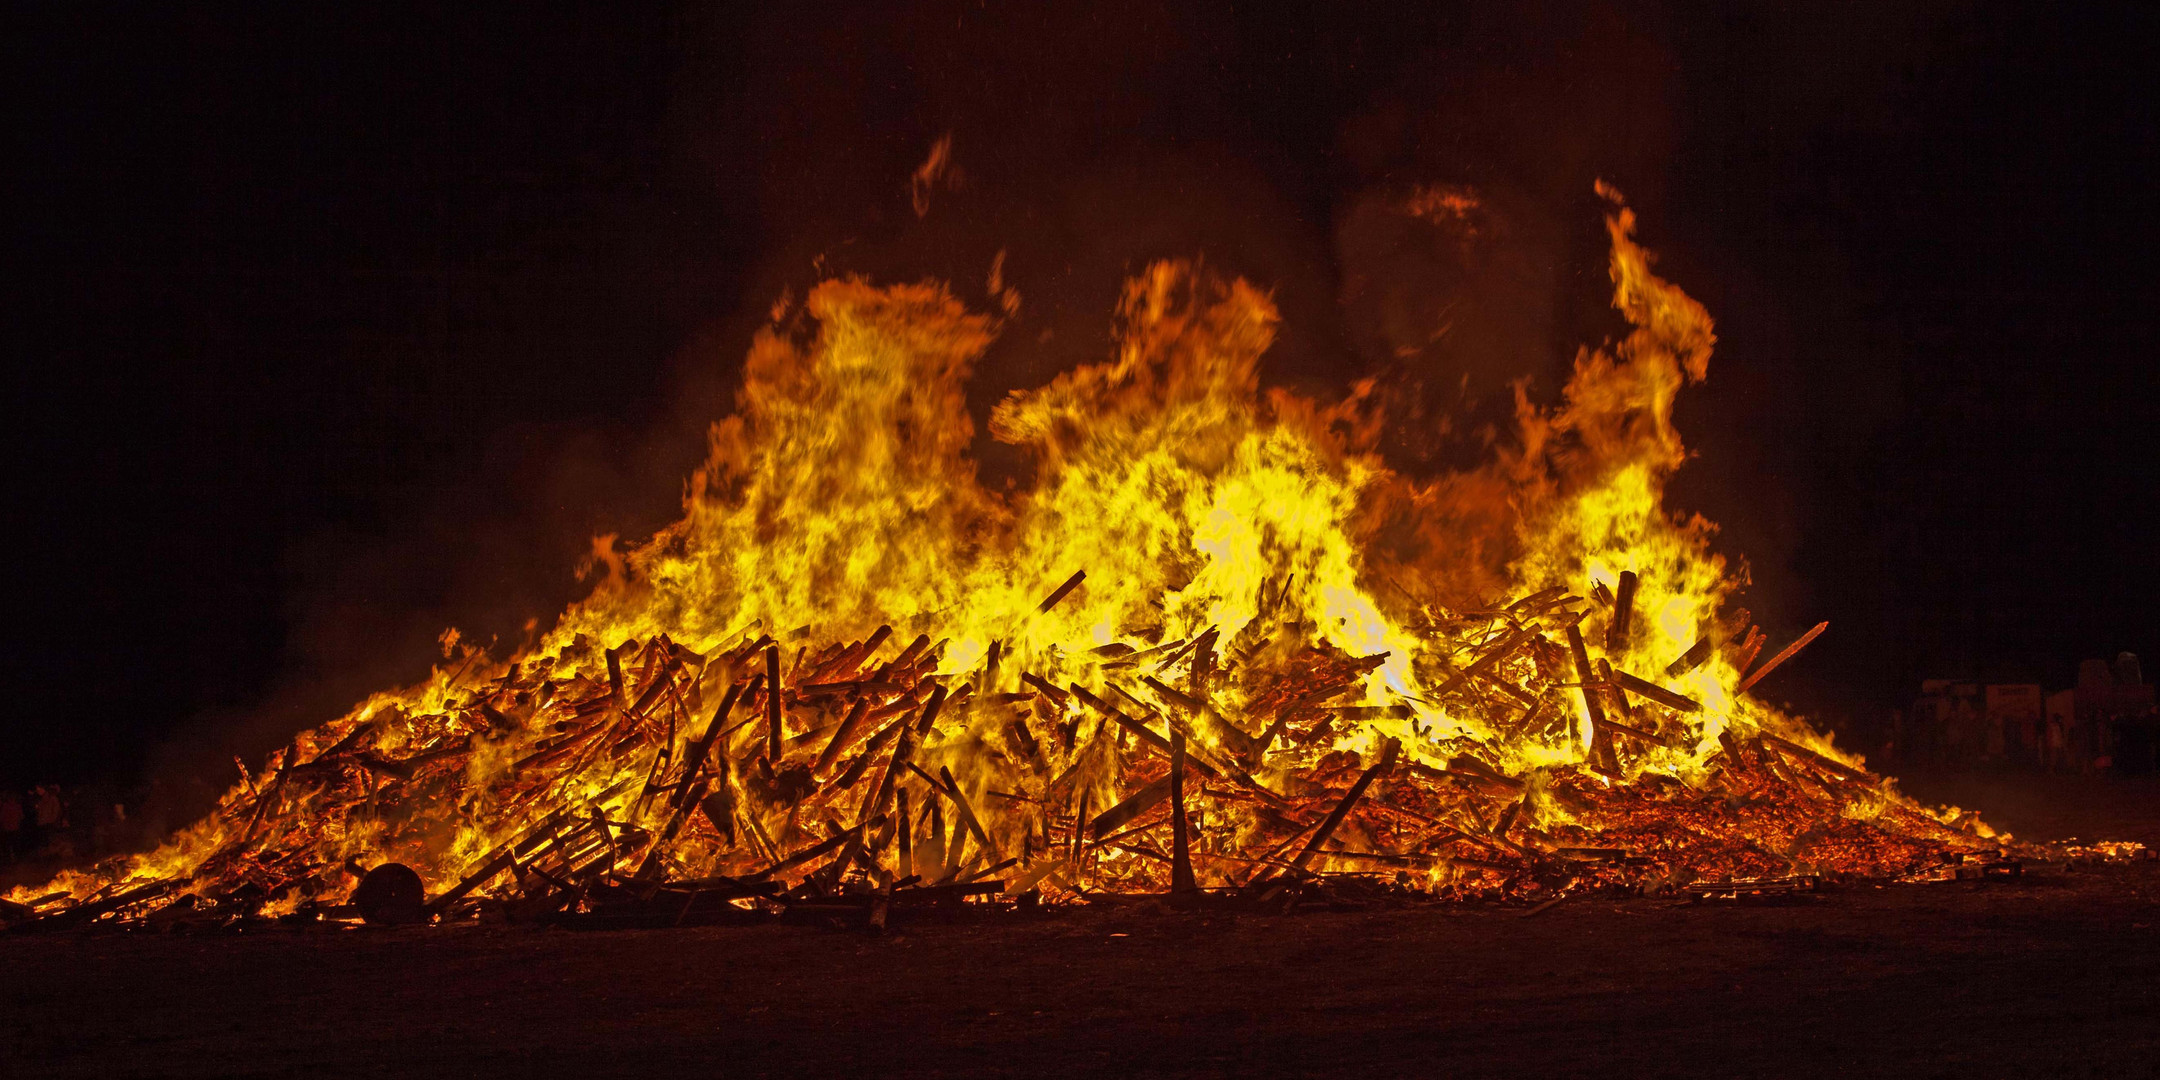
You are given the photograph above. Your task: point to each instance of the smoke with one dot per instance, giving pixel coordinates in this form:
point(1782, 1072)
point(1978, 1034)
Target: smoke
point(1310, 153)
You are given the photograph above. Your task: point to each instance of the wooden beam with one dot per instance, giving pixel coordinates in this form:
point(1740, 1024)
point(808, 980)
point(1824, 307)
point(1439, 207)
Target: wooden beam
point(1587, 677)
point(1644, 688)
point(1783, 655)
point(1182, 882)
point(1061, 592)
point(842, 734)
point(1623, 615)
point(1349, 800)
point(1691, 659)
point(772, 704)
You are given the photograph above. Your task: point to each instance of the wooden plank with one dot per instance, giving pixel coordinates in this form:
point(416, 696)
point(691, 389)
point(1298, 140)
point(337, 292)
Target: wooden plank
point(1813, 758)
point(1182, 882)
point(1589, 682)
point(930, 710)
point(1056, 696)
point(772, 704)
point(1061, 592)
point(1618, 629)
point(1691, 659)
point(1783, 655)
point(614, 677)
point(1644, 688)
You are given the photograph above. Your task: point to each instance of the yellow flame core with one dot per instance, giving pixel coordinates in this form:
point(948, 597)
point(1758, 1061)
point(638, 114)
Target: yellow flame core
point(841, 497)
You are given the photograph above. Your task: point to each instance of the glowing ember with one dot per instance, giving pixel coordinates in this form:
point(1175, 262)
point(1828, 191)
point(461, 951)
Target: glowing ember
point(850, 668)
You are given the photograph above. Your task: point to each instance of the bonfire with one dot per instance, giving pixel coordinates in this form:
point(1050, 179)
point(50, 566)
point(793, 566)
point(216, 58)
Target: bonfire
point(1217, 651)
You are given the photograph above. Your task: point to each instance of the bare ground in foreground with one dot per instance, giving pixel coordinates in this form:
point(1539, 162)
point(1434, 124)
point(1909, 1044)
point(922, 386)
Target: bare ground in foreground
point(2053, 974)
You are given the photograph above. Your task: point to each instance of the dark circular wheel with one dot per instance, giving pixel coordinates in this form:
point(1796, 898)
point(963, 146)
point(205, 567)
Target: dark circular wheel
point(391, 895)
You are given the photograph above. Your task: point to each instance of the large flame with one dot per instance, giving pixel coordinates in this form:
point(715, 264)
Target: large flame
point(1256, 581)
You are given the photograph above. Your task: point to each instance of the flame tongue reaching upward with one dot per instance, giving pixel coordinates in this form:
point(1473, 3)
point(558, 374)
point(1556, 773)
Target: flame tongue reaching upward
point(840, 658)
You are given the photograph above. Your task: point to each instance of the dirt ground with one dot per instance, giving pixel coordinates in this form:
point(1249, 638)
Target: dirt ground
point(2053, 974)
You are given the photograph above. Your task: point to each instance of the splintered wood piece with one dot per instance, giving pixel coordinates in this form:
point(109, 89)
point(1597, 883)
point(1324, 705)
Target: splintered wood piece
point(1506, 648)
point(1693, 658)
point(90, 910)
point(360, 729)
point(1267, 738)
point(1031, 878)
point(1061, 592)
point(1181, 873)
point(1783, 655)
point(1623, 614)
point(1644, 688)
point(1350, 799)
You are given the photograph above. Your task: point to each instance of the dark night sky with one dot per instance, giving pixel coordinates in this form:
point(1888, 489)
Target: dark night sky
point(332, 329)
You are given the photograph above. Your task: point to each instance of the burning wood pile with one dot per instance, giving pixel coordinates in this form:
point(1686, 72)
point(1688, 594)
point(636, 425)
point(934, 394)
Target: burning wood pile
point(665, 787)
point(1281, 680)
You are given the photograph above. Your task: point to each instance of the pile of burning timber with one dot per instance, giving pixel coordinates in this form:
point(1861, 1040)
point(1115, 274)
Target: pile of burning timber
point(655, 786)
